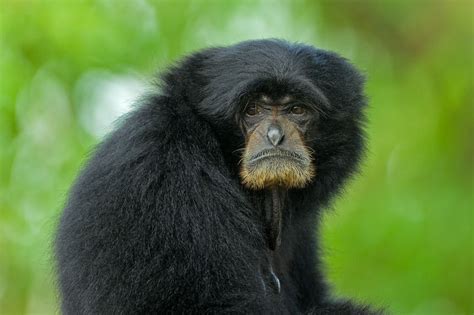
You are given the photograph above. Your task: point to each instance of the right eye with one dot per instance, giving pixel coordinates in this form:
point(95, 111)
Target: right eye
point(252, 110)
point(297, 110)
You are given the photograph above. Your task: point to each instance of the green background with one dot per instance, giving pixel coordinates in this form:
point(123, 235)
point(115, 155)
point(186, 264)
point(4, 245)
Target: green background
point(400, 236)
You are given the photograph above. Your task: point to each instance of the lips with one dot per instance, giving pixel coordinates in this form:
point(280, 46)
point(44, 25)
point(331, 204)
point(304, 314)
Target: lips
point(276, 154)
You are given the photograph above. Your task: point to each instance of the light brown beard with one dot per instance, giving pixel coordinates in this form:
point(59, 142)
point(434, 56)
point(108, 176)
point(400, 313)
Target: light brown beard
point(276, 171)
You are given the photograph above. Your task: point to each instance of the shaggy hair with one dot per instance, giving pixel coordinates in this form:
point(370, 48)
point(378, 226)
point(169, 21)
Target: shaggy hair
point(158, 220)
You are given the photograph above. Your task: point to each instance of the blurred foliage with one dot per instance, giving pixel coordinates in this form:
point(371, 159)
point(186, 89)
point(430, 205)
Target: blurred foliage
point(402, 235)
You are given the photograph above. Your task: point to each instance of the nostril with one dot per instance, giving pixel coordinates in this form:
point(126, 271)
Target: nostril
point(275, 134)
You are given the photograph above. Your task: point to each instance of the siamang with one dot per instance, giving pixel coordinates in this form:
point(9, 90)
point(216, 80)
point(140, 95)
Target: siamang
point(206, 197)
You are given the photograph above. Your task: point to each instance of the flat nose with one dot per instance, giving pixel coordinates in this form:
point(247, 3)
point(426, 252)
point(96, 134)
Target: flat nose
point(275, 134)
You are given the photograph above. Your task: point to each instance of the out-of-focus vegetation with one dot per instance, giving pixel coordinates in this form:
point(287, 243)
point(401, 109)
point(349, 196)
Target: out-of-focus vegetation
point(402, 235)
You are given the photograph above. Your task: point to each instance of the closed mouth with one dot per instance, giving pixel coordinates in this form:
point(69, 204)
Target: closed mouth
point(276, 153)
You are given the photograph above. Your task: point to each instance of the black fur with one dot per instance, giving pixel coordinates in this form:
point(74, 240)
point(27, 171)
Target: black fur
point(158, 220)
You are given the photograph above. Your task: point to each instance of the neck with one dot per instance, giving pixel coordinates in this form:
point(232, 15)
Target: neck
point(275, 199)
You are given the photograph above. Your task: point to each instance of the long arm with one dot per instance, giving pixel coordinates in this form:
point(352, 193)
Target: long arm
point(305, 270)
point(155, 223)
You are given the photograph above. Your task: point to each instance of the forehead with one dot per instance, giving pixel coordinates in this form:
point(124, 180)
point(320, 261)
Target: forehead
point(270, 100)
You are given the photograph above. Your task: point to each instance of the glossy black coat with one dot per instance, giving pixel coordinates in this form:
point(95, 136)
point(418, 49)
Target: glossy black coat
point(157, 220)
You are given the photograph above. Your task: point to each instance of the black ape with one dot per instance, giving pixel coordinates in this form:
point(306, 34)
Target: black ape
point(206, 198)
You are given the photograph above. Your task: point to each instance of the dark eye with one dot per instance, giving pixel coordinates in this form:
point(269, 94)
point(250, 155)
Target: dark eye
point(252, 110)
point(297, 110)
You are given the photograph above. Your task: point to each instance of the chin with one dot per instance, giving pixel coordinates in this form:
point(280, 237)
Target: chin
point(271, 170)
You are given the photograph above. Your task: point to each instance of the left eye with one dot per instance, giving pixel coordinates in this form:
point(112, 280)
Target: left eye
point(252, 110)
point(297, 110)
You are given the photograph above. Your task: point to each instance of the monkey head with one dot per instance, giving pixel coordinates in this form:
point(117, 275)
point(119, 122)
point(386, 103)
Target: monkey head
point(285, 115)
point(275, 153)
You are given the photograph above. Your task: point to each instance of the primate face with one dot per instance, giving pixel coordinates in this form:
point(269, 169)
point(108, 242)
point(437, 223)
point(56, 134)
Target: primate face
point(276, 154)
